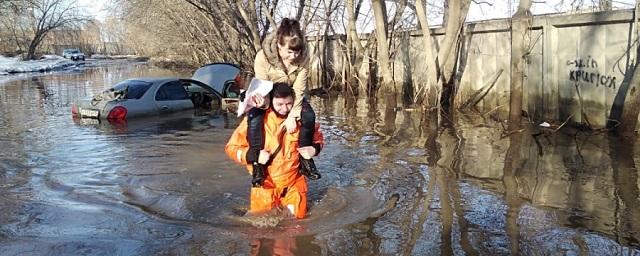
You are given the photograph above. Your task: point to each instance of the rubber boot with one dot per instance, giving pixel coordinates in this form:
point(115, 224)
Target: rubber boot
point(257, 176)
point(308, 169)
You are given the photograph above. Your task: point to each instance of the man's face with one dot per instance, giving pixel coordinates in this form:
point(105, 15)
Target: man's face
point(283, 106)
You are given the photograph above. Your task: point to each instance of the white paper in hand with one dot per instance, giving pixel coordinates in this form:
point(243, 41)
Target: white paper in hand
point(256, 87)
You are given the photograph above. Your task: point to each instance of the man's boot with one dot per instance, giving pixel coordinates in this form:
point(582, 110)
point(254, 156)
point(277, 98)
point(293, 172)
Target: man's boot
point(308, 168)
point(257, 176)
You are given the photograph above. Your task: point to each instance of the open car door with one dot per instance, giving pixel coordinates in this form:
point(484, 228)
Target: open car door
point(224, 78)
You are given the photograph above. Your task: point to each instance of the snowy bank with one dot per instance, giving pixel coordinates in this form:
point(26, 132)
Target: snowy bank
point(47, 63)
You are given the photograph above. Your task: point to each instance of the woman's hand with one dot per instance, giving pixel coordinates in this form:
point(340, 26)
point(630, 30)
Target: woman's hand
point(290, 124)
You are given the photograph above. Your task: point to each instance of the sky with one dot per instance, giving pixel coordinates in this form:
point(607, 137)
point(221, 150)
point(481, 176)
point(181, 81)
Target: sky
point(488, 9)
point(479, 10)
point(96, 8)
point(491, 10)
point(504, 9)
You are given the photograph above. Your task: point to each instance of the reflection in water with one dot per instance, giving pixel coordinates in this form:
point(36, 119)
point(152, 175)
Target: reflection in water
point(625, 178)
point(393, 183)
point(283, 246)
point(467, 190)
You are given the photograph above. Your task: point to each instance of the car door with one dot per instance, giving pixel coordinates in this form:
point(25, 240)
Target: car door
point(171, 97)
point(224, 78)
point(202, 95)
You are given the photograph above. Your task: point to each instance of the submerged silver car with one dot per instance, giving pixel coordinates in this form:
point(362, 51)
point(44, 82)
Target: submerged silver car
point(156, 96)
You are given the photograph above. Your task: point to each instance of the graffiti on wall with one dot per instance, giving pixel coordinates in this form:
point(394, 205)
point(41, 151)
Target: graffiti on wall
point(586, 71)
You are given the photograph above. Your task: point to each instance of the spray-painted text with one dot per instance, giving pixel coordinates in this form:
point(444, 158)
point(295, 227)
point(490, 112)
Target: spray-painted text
point(586, 72)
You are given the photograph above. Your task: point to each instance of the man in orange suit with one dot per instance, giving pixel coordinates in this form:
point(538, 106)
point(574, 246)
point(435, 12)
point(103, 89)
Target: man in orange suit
point(280, 184)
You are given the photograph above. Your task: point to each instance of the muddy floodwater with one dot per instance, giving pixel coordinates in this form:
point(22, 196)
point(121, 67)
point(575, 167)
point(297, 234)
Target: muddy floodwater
point(392, 183)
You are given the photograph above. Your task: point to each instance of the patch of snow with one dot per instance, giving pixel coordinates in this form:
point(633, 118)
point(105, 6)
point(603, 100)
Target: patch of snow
point(46, 63)
point(99, 56)
point(52, 57)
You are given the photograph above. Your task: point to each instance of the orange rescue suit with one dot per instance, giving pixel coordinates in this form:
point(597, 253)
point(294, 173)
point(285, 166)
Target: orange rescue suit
point(284, 185)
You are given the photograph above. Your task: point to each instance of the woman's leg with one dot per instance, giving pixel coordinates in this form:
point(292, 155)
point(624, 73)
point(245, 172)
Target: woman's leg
point(255, 137)
point(308, 121)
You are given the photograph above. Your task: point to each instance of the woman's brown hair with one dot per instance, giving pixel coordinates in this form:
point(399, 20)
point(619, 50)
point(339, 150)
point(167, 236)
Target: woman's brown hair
point(289, 34)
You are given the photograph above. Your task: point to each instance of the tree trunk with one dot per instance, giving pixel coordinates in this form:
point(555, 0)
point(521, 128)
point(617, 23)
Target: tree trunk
point(31, 52)
point(519, 28)
point(384, 63)
point(631, 108)
point(431, 61)
point(355, 49)
point(448, 53)
point(251, 24)
point(35, 42)
point(457, 13)
point(351, 26)
point(300, 10)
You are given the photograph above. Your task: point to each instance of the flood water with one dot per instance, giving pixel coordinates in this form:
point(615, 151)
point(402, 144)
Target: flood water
point(392, 183)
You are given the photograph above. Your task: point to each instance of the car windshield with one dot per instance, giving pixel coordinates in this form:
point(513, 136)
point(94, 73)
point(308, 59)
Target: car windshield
point(134, 88)
point(72, 51)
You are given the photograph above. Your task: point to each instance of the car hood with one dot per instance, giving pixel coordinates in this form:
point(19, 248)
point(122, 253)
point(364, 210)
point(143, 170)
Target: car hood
point(216, 74)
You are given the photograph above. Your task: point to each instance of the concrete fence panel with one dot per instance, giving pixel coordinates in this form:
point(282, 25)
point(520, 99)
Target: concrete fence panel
point(575, 67)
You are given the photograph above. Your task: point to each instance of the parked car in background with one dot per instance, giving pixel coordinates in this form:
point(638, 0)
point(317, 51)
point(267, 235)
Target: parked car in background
point(73, 54)
point(213, 88)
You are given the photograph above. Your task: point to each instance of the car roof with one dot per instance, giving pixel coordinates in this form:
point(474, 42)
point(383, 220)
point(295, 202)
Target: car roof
point(153, 79)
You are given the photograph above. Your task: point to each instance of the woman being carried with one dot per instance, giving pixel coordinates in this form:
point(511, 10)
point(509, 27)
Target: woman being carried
point(283, 59)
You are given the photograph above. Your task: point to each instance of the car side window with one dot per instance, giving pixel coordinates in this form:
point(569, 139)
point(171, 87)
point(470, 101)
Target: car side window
point(172, 91)
point(133, 89)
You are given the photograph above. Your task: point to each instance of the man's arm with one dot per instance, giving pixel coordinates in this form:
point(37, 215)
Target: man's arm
point(238, 145)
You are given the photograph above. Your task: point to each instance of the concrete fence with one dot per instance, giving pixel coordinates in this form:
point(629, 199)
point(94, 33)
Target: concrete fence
point(576, 68)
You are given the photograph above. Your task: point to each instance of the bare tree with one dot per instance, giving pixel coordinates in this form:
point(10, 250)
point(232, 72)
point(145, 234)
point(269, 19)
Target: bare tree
point(15, 24)
point(440, 66)
point(456, 15)
point(631, 108)
point(355, 49)
point(430, 59)
point(519, 29)
point(384, 63)
point(47, 15)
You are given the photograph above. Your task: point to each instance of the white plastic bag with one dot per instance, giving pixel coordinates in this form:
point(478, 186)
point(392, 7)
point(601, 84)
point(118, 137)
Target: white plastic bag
point(256, 87)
